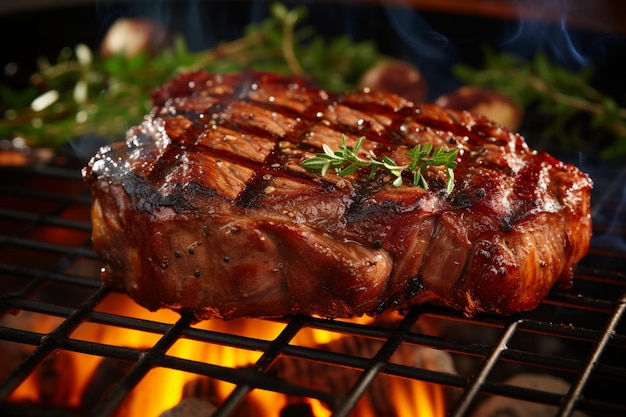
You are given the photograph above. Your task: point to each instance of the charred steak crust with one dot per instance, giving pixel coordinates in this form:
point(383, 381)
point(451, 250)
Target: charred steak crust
point(206, 206)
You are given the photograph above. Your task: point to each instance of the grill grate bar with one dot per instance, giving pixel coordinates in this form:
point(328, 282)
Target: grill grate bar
point(40, 277)
point(48, 344)
point(37, 274)
point(577, 389)
point(376, 364)
point(523, 393)
point(262, 365)
point(249, 376)
point(559, 364)
point(606, 277)
point(45, 219)
point(44, 171)
point(595, 296)
point(409, 372)
point(73, 345)
point(546, 397)
point(21, 336)
point(38, 245)
point(570, 332)
point(601, 408)
point(37, 306)
point(576, 301)
point(476, 384)
point(43, 195)
point(326, 357)
point(296, 351)
point(526, 325)
point(349, 328)
point(147, 361)
point(252, 377)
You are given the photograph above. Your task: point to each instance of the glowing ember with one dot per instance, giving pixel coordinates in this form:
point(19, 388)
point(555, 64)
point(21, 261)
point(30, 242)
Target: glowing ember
point(75, 381)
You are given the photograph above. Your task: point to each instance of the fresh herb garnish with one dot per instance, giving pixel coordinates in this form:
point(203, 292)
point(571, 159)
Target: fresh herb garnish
point(345, 161)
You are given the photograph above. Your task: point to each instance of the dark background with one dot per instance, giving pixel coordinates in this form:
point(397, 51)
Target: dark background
point(432, 40)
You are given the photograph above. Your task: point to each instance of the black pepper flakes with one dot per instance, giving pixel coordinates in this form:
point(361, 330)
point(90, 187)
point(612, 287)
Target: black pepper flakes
point(480, 192)
point(378, 244)
point(192, 247)
point(226, 259)
point(196, 274)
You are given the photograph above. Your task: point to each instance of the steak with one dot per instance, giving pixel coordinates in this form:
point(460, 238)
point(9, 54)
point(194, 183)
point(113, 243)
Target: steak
point(207, 207)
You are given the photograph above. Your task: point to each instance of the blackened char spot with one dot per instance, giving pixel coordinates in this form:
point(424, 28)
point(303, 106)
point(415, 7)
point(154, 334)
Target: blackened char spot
point(362, 204)
point(199, 189)
point(506, 225)
point(360, 209)
point(413, 288)
point(385, 305)
point(462, 199)
point(148, 199)
point(416, 286)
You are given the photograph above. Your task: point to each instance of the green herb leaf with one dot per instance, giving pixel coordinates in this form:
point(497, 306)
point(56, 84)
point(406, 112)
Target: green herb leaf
point(115, 91)
point(345, 161)
point(574, 114)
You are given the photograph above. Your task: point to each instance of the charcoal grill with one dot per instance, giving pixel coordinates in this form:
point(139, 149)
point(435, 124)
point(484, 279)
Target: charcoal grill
point(47, 267)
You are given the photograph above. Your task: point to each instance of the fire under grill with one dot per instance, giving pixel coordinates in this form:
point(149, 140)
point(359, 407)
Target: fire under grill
point(55, 317)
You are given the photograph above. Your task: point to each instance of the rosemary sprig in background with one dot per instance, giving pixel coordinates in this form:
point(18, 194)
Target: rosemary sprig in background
point(84, 93)
point(568, 111)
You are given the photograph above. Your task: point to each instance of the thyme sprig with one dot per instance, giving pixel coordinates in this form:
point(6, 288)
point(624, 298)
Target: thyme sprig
point(346, 161)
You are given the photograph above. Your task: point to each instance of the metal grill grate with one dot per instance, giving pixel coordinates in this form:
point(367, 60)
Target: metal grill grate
point(48, 269)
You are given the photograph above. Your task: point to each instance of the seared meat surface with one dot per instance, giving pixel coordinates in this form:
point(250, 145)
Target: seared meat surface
point(206, 206)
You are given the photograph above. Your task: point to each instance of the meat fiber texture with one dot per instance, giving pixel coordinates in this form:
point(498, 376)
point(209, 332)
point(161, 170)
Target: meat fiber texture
point(206, 206)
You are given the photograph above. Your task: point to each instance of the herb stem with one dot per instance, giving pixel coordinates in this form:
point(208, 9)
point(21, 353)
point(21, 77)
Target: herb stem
point(234, 47)
point(559, 97)
point(62, 69)
point(346, 161)
point(291, 19)
point(99, 94)
point(572, 101)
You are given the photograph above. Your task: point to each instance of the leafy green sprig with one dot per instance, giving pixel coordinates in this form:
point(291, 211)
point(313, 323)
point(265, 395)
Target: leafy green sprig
point(574, 112)
point(346, 161)
point(82, 92)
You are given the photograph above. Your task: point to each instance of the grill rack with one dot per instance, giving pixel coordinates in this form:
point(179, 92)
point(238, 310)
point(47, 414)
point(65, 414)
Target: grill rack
point(588, 319)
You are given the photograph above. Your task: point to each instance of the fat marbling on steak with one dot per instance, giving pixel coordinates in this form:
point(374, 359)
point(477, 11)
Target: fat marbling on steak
point(206, 206)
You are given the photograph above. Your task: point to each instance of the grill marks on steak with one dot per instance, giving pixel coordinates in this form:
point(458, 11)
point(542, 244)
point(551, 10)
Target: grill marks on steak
point(216, 214)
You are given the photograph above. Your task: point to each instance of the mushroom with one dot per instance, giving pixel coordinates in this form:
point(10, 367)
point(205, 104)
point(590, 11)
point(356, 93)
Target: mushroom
point(132, 36)
point(398, 77)
point(491, 104)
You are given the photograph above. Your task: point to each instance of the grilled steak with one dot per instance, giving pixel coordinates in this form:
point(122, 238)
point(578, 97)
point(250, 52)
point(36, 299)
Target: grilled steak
point(206, 206)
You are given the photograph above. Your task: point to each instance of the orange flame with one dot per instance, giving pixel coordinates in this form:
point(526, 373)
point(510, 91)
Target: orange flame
point(162, 388)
